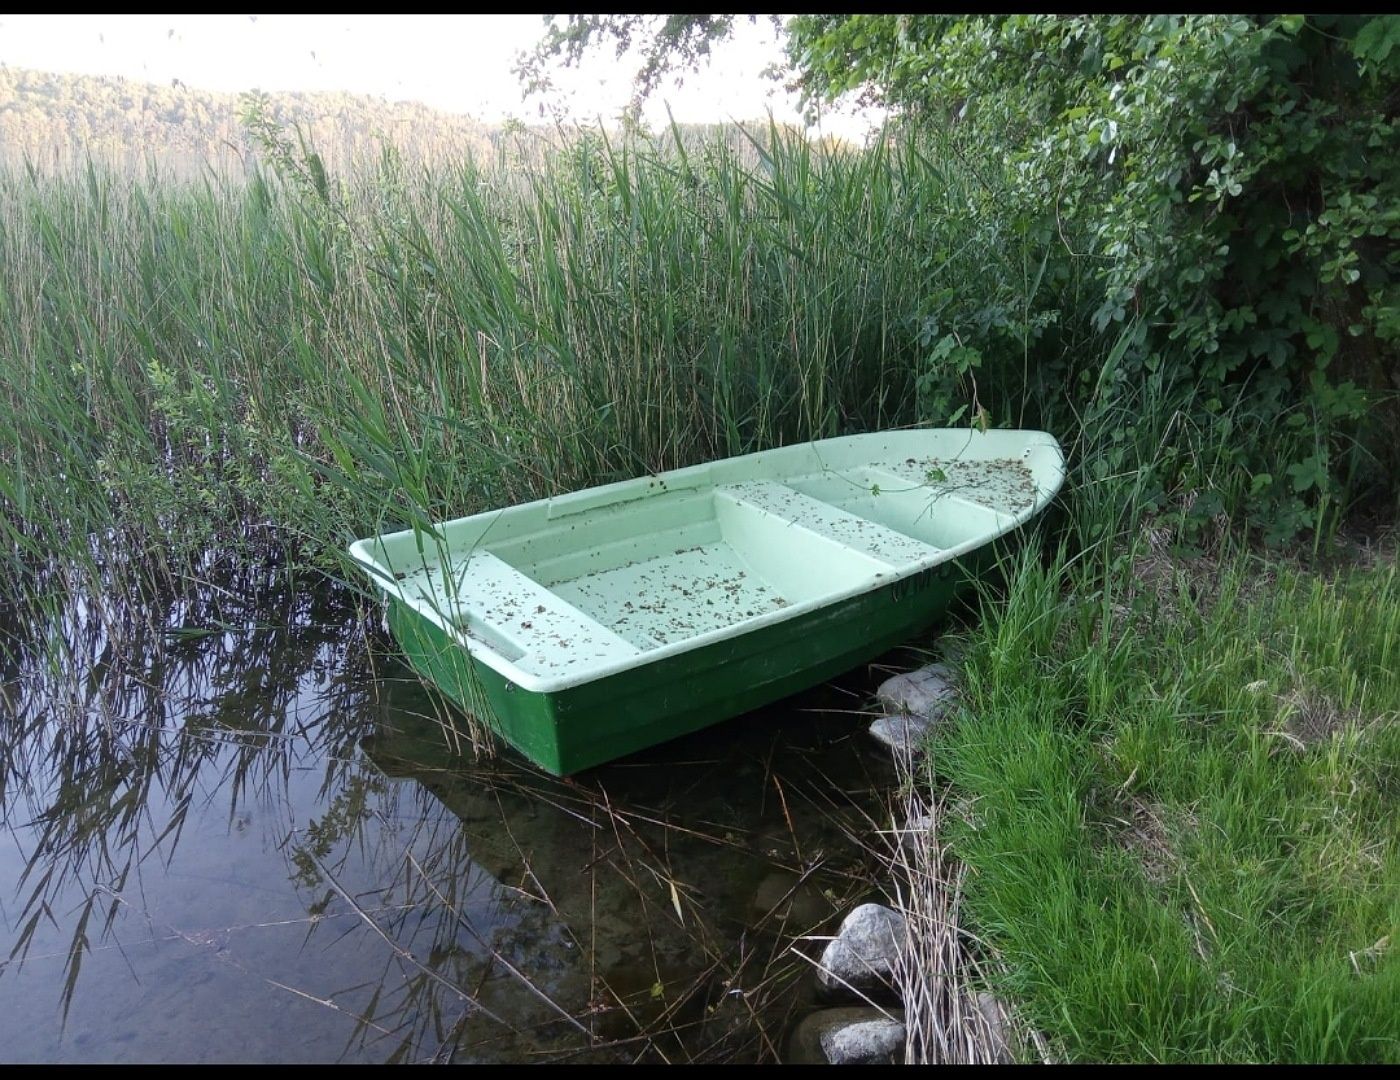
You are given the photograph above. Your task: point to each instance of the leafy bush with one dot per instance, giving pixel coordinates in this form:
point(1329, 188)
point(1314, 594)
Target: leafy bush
point(1234, 183)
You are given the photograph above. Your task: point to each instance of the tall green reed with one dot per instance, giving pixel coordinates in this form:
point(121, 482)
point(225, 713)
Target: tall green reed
point(196, 374)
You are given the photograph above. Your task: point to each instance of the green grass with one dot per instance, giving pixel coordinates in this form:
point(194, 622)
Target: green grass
point(1181, 779)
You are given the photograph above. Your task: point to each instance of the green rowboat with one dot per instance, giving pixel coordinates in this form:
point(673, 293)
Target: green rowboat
point(587, 626)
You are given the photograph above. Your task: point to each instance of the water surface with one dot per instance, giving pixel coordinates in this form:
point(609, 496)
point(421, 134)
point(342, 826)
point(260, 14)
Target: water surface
point(240, 834)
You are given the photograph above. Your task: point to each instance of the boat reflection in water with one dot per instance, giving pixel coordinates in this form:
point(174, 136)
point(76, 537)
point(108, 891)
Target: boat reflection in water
point(661, 896)
point(234, 835)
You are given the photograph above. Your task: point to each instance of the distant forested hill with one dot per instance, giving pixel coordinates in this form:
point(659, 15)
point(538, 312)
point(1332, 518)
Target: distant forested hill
point(53, 118)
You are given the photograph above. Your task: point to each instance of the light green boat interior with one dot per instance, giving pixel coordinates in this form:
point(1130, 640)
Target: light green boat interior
point(561, 591)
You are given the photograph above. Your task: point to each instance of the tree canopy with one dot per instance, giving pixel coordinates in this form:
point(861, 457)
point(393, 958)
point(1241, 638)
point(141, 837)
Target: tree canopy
point(1233, 181)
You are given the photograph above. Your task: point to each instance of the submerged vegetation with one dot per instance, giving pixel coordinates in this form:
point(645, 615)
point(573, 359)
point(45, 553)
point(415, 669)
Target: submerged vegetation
point(1169, 795)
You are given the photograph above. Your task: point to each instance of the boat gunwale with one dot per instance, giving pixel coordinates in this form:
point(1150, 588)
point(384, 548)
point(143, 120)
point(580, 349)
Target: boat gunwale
point(385, 578)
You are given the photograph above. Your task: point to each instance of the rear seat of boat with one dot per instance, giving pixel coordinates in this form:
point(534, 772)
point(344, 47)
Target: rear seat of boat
point(870, 538)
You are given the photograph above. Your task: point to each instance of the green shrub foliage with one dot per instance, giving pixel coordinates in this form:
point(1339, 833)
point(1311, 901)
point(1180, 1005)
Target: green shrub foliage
point(1232, 182)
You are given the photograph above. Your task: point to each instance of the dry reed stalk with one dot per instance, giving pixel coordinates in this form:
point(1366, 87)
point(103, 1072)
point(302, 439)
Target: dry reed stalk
point(942, 971)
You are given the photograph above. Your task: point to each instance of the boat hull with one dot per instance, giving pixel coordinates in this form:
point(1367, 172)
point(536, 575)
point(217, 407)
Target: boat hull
point(576, 728)
point(586, 626)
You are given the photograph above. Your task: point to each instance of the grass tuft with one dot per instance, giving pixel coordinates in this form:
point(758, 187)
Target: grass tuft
point(1182, 838)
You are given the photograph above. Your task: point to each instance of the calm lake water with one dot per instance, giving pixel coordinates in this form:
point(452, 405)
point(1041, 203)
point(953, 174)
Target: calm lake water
point(240, 835)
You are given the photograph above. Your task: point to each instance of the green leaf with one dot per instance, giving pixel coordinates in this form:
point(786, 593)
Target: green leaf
point(1310, 473)
point(1375, 41)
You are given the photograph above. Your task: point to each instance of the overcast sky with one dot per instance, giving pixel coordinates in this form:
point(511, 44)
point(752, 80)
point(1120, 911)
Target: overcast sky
point(459, 63)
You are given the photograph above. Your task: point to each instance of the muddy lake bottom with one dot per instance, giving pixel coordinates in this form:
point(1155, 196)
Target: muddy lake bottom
point(250, 840)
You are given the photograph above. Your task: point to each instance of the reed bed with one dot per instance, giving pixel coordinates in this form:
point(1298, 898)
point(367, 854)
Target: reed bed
point(194, 373)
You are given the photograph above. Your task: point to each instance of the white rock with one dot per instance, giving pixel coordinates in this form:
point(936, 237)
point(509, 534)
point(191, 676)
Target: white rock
point(848, 1035)
point(916, 831)
point(999, 1024)
point(928, 692)
point(862, 955)
point(901, 733)
point(952, 650)
point(871, 1042)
